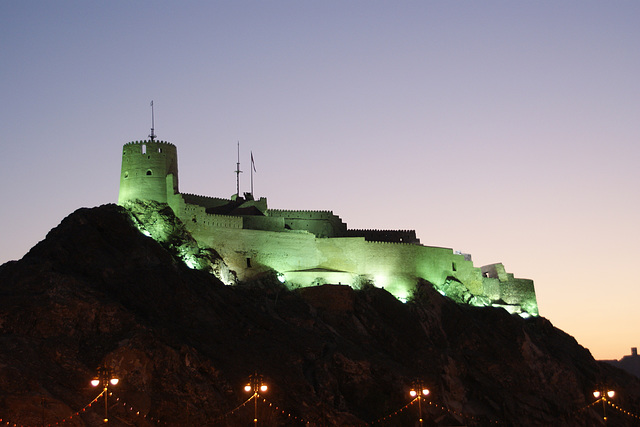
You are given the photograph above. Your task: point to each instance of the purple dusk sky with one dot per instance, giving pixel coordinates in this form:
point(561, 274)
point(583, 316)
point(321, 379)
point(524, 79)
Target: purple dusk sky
point(507, 130)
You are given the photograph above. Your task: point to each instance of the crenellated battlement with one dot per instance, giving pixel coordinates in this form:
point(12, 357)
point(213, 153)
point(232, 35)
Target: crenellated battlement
point(149, 148)
point(396, 236)
point(148, 141)
point(286, 212)
point(375, 230)
point(307, 247)
point(206, 201)
point(196, 216)
point(384, 242)
point(320, 223)
point(149, 171)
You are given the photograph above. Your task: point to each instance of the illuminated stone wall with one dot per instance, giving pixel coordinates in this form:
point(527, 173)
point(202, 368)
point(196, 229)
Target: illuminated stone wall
point(305, 259)
point(320, 223)
point(196, 218)
point(398, 236)
point(314, 247)
point(146, 165)
point(204, 201)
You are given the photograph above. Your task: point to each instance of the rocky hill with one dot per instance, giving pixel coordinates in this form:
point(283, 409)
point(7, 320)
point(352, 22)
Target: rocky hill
point(98, 293)
point(629, 363)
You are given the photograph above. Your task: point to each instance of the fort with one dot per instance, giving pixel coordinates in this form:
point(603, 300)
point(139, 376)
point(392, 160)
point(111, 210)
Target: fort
point(308, 248)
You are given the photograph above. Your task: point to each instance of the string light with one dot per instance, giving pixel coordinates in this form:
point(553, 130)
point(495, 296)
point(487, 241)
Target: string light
point(70, 417)
point(444, 408)
point(63, 420)
point(278, 409)
point(610, 403)
point(619, 409)
point(289, 415)
point(236, 409)
point(137, 413)
point(396, 412)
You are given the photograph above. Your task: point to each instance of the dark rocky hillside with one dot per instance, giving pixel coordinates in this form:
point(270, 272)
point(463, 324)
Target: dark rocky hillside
point(96, 292)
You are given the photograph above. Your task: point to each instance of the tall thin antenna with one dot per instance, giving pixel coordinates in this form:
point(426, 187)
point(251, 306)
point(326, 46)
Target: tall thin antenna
point(153, 135)
point(253, 169)
point(238, 172)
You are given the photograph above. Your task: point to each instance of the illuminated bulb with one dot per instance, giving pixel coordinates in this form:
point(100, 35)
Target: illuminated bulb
point(425, 391)
point(114, 381)
point(413, 393)
point(596, 394)
point(611, 393)
point(247, 388)
point(95, 382)
point(263, 388)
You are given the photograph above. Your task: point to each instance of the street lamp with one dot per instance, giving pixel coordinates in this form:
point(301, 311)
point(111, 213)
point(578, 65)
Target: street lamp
point(105, 378)
point(255, 384)
point(418, 391)
point(602, 395)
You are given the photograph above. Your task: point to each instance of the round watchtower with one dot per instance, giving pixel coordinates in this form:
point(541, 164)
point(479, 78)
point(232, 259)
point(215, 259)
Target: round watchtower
point(149, 171)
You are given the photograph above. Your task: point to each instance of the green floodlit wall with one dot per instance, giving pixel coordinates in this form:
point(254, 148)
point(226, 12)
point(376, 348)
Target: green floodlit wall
point(303, 258)
point(307, 260)
point(149, 171)
point(303, 245)
point(320, 223)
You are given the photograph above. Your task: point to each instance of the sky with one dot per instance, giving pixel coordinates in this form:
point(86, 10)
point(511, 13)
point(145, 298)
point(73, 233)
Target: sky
point(507, 130)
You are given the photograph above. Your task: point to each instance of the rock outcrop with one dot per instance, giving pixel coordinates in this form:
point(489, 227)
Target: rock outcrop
point(96, 292)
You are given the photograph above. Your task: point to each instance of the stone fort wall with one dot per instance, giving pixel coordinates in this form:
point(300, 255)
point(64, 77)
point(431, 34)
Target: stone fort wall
point(198, 220)
point(305, 259)
point(320, 223)
point(145, 168)
point(398, 236)
point(310, 247)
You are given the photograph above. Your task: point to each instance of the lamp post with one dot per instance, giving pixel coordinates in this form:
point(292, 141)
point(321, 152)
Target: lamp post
point(255, 384)
point(418, 391)
point(602, 393)
point(105, 378)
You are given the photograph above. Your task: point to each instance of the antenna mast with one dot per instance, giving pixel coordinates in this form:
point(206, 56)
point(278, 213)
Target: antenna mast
point(238, 172)
point(253, 169)
point(153, 135)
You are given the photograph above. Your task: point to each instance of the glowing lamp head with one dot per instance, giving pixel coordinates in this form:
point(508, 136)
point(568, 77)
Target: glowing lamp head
point(611, 393)
point(95, 382)
point(425, 391)
point(114, 381)
point(413, 393)
point(263, 387)
point(247, 388)
point(596, 394)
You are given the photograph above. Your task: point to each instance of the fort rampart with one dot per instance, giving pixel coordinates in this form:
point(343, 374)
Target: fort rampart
point(313, 247)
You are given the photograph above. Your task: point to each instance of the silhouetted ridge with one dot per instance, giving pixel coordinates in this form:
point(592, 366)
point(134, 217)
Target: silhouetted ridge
point(98, 292)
